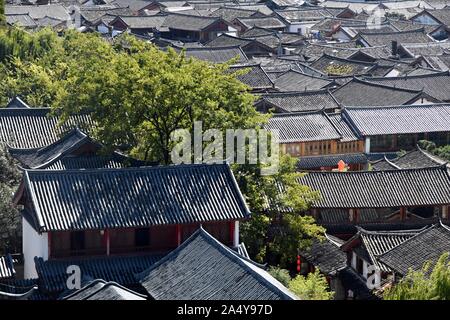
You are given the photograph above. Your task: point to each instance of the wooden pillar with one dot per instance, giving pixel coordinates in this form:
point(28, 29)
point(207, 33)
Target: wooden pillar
point(107, 241)
point(351, 215)
point(178, 234)
point(402, 213)
point(231, 232)
point(445, 210)
point(367, 145)
point(236, 233)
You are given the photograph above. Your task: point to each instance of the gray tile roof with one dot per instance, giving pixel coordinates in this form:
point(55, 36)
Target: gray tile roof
point(338, 217)
point(375, 243)
point(229, 13)
point(23, 20)
point(24, 289)
point(95, 13)
point(385, 38)
point(262, 22)
point(328, 24)
point(60, 155)
point(342, 126)
point(326, 64)
point(426, 49)
point(297, 81)
point(380, 189)
point(217, 54)
point(332, 160)
point(407, 119)
point(256, 32)
point(364, 93)
point(256, 78)
point(134, 5)
point(121, 269)
point(442, 15)
point(189, 22)
point(427, 245)
point(345, 50)
point(35, 127)
point(152, 196)
point(17, 103)
point(56, 11)
point(326, 256)
point(436, 85)
point(37, 157)
point(301, 15)
point(215, 272)
point(300, 101)
point(225, 40)
point(410, 160)
point(6, 267)
point(102, 290)
point(142, 22)
point(303, 127)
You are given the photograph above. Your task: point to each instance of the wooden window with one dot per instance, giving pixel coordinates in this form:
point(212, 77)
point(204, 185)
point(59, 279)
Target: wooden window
point(94, 243)
point(359, 265)
point(121, 240)
point(163, 237)
point(220, 231)
point(142, 237)
point(60, 244)
point(77, 241)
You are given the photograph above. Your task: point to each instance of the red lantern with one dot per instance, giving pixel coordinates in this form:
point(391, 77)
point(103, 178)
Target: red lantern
point(299, 263)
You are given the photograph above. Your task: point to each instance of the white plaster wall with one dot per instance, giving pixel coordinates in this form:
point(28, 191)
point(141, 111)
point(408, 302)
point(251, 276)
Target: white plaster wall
point(302, 27)
point(34, 245)
point(425, 19)
point(102, 29)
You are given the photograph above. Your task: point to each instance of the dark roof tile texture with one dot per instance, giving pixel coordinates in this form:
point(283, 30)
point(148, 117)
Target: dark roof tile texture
point(134, 197)
point(34, 127)
point(121, 269)
point(204, 269)
point(428, 245)
point(303, 127)
point(301, 101)
point(332, 160)
point(362, 93)
point(380, 189)
point(407, 119)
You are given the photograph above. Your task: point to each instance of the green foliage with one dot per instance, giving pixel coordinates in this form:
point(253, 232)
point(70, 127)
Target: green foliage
point(2, 13)
point(442, 152)
point(16, 42)
point(10, 235)
point(339, 69)
point(423, 285)
point(281, 275)
point(137, 96)
point(395, 15)
point(277, 228)
point(312, 287)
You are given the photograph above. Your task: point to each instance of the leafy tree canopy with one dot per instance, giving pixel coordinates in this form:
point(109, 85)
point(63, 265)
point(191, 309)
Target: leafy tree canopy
point(312, 287)
point(137, 96)
point(430, 283)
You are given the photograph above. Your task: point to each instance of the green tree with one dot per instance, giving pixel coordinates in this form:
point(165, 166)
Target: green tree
point(423, 284)
point(2, 13)
point(312, 287)
point(281, 275)
point(139, 95)
point(10, 231)
point(278, 229)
